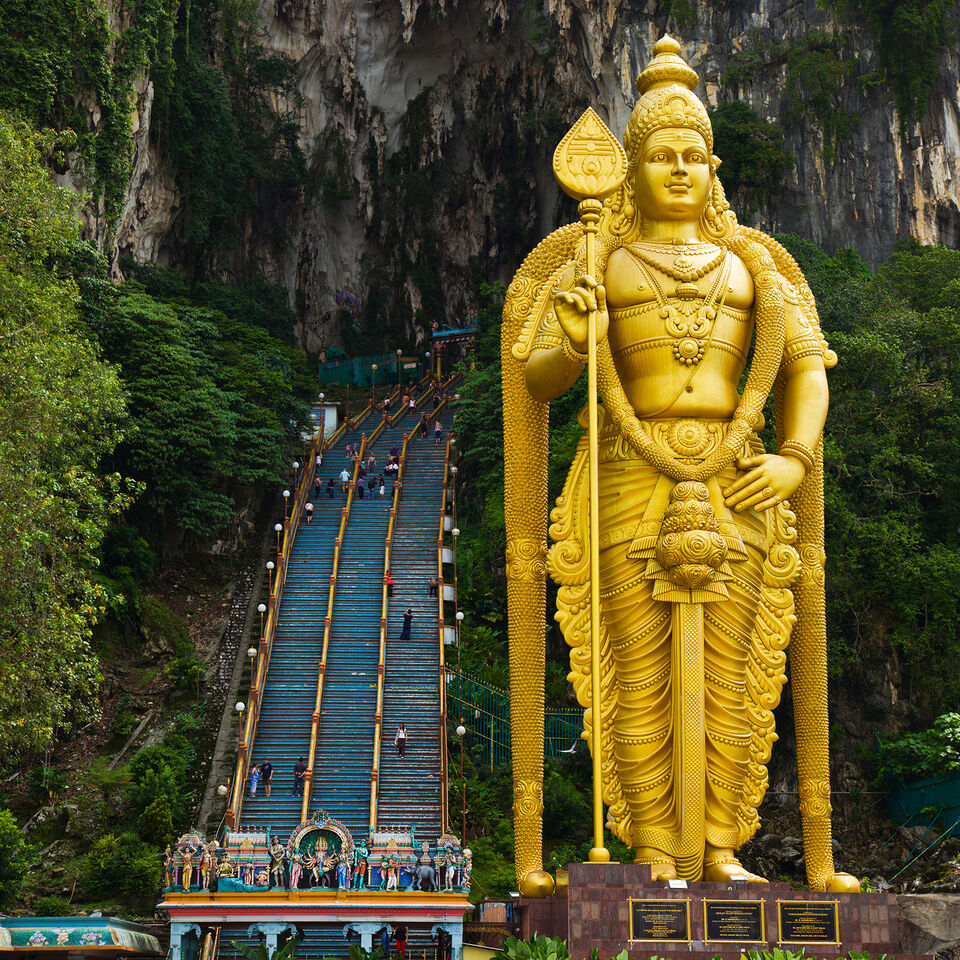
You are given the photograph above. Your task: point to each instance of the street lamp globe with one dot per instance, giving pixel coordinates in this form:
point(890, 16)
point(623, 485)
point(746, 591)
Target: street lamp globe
point(453, 470)
point(279, 526)
point(270, 564)
point(456, 531)
point(322, 395)
point(296, 464)
point(251, 652)
point(286, 494)
point(261, 608)
point(461, 731)
point(222, 790)
point(240, 707)
point(460, 616)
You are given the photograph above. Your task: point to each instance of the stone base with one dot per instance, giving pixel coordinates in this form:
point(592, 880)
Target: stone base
point(596, 915)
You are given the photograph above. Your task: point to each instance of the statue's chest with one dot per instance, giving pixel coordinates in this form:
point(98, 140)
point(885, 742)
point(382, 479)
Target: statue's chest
point(684, 331)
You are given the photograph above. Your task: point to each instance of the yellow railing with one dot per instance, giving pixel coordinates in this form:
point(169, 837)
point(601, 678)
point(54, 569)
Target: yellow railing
point(381, 662)
point(328, 620)
point(444, 789)
point(268, 629)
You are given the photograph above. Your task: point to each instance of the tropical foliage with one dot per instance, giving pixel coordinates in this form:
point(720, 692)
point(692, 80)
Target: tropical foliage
point(61, 416)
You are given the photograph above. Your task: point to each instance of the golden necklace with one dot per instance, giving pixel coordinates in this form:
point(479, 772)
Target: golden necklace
point(684, 271)
point(688, 324)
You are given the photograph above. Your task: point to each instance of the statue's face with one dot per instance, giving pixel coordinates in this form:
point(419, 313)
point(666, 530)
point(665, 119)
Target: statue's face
point(672, 179)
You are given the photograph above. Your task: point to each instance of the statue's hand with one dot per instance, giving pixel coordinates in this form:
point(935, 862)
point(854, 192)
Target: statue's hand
point(768, 480)
point(574, 306)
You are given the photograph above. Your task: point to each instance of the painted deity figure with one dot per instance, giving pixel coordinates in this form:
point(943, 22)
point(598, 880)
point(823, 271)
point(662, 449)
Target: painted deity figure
point(204, 868)
point(390, 871)
point(467, 872)
point(186, 854)
point(168, 867)
point(343, 871)
point(450, 858)
point(278, 858)
point(227, 867)
point(296, 867)
point(705, 567)
point(248, 872)
point(329, 866)
point(312, 866)
point(360, 854)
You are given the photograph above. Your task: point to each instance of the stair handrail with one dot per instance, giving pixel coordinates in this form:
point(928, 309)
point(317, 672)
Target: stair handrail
point(382, 658)
point(445, 787)
point(327, 622)
point(268, 629)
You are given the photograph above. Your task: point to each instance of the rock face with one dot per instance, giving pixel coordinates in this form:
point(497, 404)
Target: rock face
point(438, 118)
point(930, 923)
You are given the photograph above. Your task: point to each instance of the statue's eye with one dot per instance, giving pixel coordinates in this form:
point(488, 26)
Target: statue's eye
point(696, 158)
point(659, 158)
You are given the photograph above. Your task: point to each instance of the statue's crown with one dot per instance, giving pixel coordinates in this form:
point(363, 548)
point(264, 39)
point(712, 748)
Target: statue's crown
point(667, 99)
point(666, 67)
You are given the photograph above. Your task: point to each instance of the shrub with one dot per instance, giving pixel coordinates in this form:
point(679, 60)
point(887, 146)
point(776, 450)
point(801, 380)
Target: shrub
point(929, 753)
point(53, 906)
point(122, 866)
point(14, 857)
point(156, 822)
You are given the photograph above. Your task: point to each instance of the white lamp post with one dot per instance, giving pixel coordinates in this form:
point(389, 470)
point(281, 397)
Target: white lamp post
point(461, 733)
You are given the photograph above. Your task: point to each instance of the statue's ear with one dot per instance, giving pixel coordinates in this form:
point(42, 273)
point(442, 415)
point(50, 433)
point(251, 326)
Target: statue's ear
point(715, 162)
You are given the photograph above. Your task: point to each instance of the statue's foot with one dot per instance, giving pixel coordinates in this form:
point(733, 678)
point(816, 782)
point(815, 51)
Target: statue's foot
point(842, 883)
point(720, 866)
point(662, 867)
point(537, 883)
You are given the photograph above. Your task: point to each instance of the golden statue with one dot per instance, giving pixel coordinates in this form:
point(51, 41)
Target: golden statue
point(705, 570)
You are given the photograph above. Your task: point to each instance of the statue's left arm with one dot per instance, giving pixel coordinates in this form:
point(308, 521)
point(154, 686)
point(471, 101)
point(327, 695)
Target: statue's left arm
point(771, 478)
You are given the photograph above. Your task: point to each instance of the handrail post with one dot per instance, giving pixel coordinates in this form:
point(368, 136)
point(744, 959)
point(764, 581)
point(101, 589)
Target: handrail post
point(265, 645)
point(327, 623)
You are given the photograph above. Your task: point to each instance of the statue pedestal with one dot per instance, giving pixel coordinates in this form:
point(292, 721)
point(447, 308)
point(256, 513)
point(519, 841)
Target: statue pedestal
point(614, 907)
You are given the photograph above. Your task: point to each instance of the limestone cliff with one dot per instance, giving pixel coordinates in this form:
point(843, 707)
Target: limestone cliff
point(437, 119)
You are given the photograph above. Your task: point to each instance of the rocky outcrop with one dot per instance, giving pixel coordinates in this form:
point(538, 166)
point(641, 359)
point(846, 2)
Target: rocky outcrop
point(439, 118)
point(930, 923)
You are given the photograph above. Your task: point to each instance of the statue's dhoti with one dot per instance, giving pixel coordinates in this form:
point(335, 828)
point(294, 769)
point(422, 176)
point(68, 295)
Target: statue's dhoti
point(694, 632)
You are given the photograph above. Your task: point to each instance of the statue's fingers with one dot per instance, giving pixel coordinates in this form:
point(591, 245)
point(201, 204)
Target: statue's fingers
point(587, 281)
point(767, 504)
point(755, 486)
point(748, 479)
point(752, 501)
point(744, 463)
point(578, 301)
point(601, 297)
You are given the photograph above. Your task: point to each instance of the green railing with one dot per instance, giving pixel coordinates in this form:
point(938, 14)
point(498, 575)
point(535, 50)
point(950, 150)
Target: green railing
point(359, 372)
point(485, 711)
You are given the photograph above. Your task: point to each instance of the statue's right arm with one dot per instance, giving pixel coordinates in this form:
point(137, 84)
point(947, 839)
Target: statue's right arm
point(549, 373)
point(558, 355)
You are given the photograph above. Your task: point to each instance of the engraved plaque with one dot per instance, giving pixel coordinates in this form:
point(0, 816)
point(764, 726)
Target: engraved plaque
point(808, 921)
point(735, 921)
point(660, 920)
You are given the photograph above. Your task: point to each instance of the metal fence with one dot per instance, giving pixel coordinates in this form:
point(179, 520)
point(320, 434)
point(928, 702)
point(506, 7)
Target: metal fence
point(485, 712)
point(358, 371)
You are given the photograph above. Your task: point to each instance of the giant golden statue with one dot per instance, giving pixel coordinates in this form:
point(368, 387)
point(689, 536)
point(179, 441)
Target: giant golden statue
point(706, 571)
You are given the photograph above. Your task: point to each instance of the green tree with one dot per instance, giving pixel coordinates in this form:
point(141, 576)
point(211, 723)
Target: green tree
point(754, 156)
point(14, 858)
point(892, 464)
point(61, 408)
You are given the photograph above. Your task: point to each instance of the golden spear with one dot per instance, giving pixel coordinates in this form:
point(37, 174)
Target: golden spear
point(590, 164)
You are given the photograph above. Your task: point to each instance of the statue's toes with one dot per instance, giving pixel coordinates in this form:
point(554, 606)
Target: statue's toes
point(842, 883)
point(537, 883)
